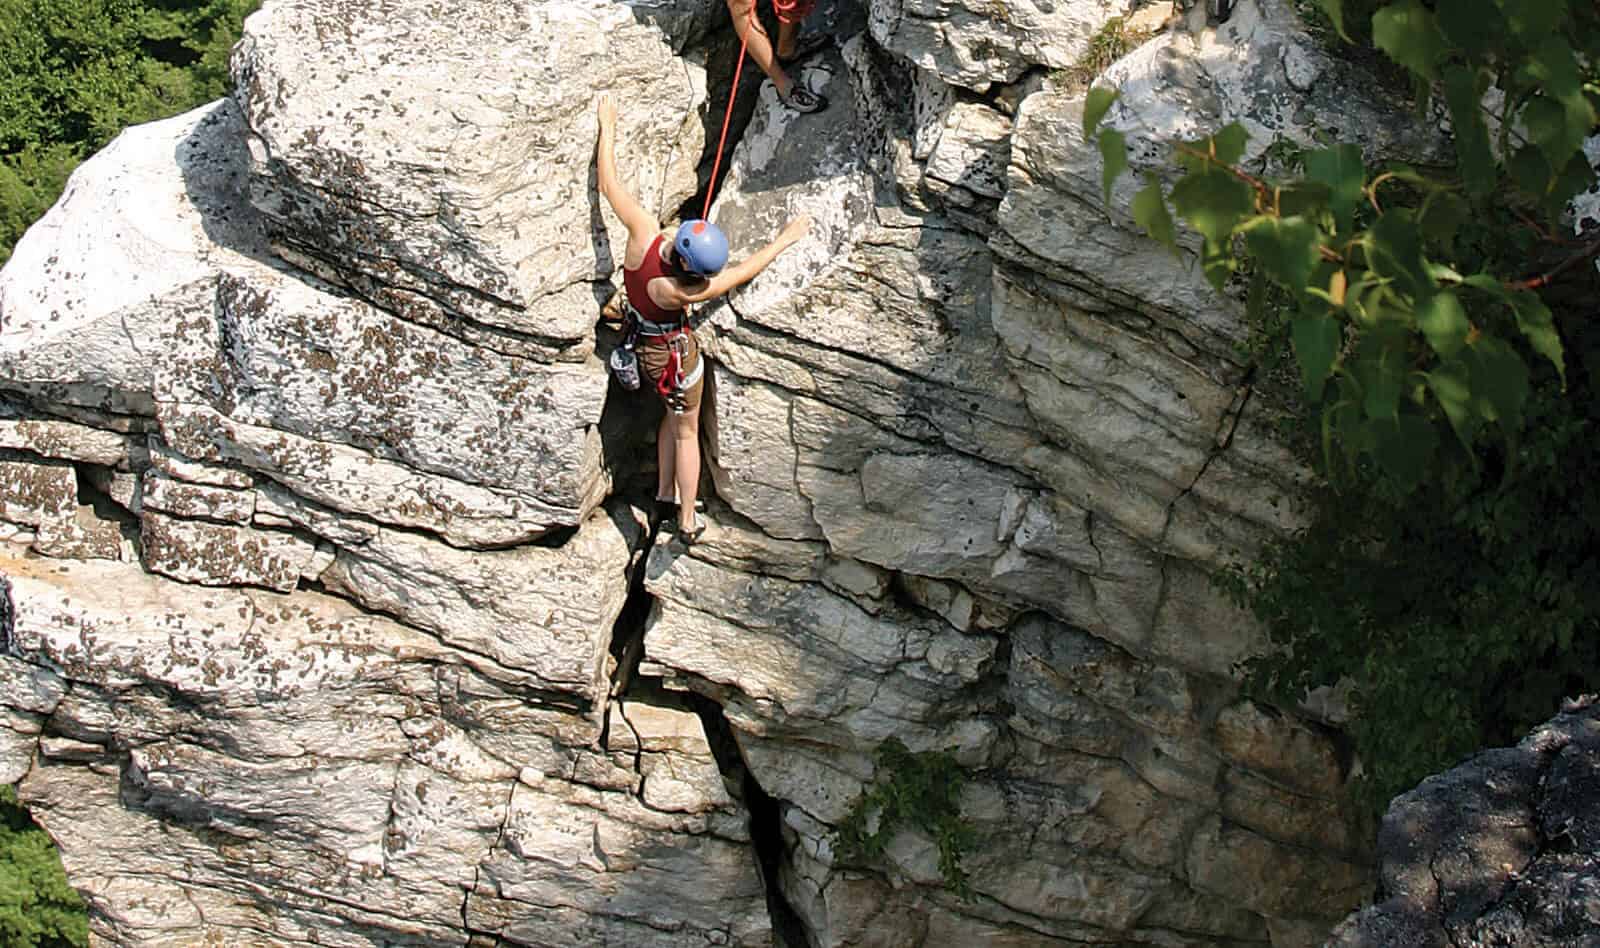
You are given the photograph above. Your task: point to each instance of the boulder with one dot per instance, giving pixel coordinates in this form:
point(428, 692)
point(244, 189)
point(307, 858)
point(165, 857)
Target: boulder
point(441, 167)
point(322, 772)
point(1500, 850)
point(976, 45)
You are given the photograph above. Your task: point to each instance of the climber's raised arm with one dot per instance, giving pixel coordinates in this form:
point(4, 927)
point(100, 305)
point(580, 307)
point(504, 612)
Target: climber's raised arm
point(745, 270)
point(642, 227)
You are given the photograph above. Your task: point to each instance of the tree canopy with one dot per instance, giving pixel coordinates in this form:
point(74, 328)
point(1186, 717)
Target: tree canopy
point(73, 73)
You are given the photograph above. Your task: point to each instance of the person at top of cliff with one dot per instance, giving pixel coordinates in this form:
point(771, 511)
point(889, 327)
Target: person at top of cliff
point(791, 49)
point(664, 272)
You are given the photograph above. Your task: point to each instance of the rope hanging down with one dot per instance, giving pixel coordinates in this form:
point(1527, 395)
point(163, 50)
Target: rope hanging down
point(711, 186)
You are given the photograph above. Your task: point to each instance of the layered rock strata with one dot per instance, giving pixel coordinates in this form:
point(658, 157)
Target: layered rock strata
point(329, 614)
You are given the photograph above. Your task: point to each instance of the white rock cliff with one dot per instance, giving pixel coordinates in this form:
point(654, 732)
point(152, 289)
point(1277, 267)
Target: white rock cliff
point(330, 610)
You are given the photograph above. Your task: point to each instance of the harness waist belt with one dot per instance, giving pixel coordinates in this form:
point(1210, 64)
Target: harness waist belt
point(648, 328)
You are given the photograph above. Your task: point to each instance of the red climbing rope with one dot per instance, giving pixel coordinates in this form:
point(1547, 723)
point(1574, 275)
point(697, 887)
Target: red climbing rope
point(711, 186)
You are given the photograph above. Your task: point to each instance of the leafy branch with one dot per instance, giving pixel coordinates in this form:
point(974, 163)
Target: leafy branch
point(1446, 574)
point(1397, 349)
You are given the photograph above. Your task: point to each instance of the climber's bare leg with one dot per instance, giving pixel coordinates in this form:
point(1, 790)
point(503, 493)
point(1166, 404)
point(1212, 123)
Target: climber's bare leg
point(758, 44)
point(666, 456)
point(686, 466)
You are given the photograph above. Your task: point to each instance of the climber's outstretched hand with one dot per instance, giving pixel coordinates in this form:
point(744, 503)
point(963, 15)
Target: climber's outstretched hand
point(794, 230)
point(642, 227)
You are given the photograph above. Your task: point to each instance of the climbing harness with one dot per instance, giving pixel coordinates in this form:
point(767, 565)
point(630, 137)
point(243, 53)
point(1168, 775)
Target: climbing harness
point(674, 382)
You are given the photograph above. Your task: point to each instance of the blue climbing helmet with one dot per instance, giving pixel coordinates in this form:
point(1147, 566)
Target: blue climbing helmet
point(701, 246)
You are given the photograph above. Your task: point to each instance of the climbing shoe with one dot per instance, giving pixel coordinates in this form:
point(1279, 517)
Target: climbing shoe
point(803, 100)
point(694, 533)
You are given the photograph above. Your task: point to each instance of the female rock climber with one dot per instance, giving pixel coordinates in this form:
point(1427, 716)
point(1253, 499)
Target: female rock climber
point(791, 49)
point(664, 272)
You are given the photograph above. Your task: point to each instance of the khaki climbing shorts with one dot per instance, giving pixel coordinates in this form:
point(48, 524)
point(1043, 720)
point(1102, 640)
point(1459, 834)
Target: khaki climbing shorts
point(654, 355)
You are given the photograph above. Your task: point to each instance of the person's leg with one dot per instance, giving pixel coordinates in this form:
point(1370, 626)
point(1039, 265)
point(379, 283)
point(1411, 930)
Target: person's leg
point(666, 455)
point(786, 36)
point(686, 467)
point(757, 44)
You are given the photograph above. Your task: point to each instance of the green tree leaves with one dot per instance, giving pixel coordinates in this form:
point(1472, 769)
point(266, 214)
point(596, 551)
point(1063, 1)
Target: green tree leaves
point(73, 73)
point(1340, 170)
point(1369, 260)
point(1463, 95)
point(38, 909)
point(1113, 158)
point(1316, 344)
point(1150, 212)
point(1286, 248)
point(1460, 612)
point(1446, 574)
point(1213, 203)
point(1410, 34)
point(1095, 106)
point(1443, 322)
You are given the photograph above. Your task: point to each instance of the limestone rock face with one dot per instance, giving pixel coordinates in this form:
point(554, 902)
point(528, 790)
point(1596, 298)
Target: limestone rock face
point(314, 770)
point(440, 166)
point(976, 44)
point(329, 609)
point(319, 592)
point(1501, 850)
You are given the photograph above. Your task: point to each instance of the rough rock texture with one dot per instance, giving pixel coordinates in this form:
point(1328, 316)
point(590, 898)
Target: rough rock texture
point(1502, 850)
point(977, 44)
point(433, 165)
point(327, 609)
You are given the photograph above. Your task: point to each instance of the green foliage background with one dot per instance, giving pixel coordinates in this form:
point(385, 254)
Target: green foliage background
point(38, 909)
point(73, 73)
point(1437, 325)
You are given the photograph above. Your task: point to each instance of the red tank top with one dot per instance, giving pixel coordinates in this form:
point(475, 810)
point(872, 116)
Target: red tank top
point(637, 281)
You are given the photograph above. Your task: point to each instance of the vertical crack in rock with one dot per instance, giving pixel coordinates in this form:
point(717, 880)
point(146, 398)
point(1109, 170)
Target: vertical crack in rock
point(7, 618)
point(627, 633)
point(1088, 533)
point(1226, 429)
point(765, 818)
point(476, 937)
